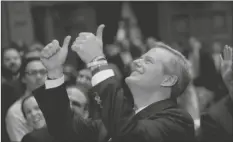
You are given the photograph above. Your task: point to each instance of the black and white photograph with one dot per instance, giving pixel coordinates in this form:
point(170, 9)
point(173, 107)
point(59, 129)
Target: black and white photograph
point(116, 71)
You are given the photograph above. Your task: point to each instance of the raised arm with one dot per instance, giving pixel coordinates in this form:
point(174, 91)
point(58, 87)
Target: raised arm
point(227, 68)
point(117, 111)
point(61, 121)
point(52, 98)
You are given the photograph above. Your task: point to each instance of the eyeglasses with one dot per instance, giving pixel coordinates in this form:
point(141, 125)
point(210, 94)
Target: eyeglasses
point(35, 72)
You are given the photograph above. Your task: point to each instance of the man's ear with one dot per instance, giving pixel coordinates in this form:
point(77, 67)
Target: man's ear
point(86, 114)
point(169, 80)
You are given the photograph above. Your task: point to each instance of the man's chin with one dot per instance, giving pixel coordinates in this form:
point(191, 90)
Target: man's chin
point(38, 85)
point(131, 79)
point(15, 70)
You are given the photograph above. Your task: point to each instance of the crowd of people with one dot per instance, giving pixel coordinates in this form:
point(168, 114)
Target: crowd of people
point(131, 90)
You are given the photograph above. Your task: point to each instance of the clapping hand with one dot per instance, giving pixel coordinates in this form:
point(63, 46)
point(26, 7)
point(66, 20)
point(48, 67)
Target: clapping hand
point(88, 46)
point(53, 57)
point(226, 66)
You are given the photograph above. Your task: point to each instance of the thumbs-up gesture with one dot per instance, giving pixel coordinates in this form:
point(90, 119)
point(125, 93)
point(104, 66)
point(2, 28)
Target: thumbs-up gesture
point(53, 56)
point(88, 46)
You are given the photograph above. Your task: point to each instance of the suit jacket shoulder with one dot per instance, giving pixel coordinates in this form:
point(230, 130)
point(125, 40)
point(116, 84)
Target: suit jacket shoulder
point(41, 135)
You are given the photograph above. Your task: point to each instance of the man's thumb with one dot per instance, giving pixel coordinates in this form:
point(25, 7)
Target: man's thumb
point(66, 42)
point(99, 32)
point(65, 45)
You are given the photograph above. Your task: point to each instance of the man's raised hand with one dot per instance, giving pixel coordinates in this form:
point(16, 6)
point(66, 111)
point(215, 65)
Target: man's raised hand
point(226, 65)
point(88, 46)
point(53, 56)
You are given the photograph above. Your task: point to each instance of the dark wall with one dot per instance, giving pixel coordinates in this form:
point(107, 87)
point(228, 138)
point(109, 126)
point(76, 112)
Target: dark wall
point(108, 13)
point(147, 15)
point(38, 18)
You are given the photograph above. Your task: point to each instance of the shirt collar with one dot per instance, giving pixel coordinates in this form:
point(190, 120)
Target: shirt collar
point(140, 109)
point(155, 107)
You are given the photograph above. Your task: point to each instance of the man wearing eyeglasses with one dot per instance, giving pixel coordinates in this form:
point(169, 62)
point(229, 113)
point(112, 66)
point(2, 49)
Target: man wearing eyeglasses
point(33, 75)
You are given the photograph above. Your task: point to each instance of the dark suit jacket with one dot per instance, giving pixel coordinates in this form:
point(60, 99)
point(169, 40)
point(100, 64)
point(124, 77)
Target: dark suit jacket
point(160, 122)
point(217, 123)
point(41, 135)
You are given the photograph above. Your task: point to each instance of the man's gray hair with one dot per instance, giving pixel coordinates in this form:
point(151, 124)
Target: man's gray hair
point(180, 67)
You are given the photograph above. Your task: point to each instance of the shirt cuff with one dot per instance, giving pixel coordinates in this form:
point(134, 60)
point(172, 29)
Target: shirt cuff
point(101, 76)
point(197, 123)
point(54, 83)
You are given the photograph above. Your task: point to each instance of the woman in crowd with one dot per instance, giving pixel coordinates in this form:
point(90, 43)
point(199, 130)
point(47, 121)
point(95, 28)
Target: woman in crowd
point(36, 120)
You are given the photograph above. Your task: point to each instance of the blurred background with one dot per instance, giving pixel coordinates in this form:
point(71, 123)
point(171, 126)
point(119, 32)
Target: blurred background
point(27, 22)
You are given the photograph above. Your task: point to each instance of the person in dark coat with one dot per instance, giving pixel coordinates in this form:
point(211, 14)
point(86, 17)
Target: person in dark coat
point(217, 122)
point(155, 84)
point(79, 102)
point(41, 135)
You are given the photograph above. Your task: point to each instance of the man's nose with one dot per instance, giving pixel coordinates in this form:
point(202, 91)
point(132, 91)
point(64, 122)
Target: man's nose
point(39, 75)
point(86, 79)
point(71, 106)
point(137, 63)
point(82, 79)
point(40, 78)
point(12, 61)
point(34, 113)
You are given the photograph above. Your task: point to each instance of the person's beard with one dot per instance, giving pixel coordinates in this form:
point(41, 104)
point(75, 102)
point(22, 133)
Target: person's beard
point(14, 69)
point(9, 71)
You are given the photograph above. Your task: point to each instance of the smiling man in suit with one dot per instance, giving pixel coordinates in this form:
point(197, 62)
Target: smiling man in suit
point(157, 79)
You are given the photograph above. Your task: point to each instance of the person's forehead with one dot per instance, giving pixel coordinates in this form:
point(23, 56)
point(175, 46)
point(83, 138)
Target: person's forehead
point(11, 52)
point(29, 103)
point(35, 65)
point(75, 94)
point(36, 46)
point(157, 52)
point(33, 54)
